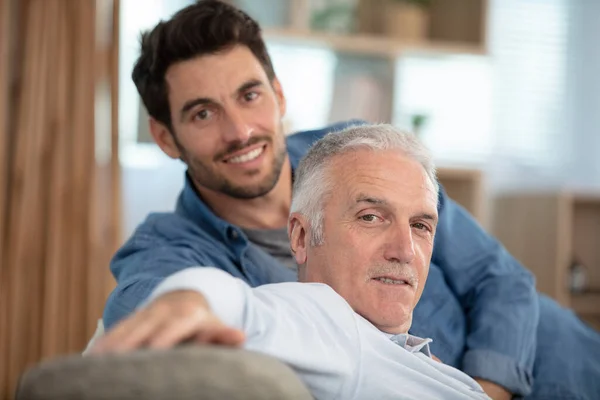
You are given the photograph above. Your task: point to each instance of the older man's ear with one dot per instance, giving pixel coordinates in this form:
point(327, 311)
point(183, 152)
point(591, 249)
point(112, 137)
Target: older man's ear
point(297, 231)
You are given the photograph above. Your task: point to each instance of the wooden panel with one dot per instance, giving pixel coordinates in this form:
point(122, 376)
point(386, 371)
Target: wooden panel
point(535, 229)
point(586, 304)
point(466, 188)
point(458, 21)
point(105, 229)
point(594, 322)
point(5, 55)
point(586, 238)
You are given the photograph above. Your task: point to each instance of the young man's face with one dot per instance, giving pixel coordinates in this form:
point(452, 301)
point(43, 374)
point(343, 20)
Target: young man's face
point(226, 118)
point(379, 225)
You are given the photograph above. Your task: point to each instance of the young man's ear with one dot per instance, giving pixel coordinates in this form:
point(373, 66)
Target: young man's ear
point(298, 233)
point(280, 97)
point(164, 138)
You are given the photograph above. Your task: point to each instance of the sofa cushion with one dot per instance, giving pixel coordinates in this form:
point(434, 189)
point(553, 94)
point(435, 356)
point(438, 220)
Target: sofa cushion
point(188, 372)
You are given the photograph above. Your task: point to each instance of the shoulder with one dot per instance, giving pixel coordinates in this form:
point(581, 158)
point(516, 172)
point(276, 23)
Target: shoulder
point(313, 300)
point(165, 238)
point(299, 143)
point(167, 227)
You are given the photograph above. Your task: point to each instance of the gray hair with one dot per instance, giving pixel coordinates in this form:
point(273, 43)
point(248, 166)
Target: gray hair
point(312, 182)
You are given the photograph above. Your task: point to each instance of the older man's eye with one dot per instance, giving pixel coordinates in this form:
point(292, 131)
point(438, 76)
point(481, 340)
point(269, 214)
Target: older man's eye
point(369, 217)
point(421, 227)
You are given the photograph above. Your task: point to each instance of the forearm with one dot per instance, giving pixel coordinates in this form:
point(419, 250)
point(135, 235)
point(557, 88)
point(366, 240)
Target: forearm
point(224, 294)
point(501, 341)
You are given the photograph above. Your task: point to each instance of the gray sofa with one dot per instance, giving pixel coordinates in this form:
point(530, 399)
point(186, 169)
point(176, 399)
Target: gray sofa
point(187, 372)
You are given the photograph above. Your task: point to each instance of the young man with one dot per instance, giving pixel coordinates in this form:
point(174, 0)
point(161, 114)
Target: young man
point(215, 102)
point(366, 233)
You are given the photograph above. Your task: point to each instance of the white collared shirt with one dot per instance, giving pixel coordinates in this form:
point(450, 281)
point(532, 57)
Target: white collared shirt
point(336, 352)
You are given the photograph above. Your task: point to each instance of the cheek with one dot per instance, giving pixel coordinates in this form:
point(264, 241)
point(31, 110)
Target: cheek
point(269, 112)
point(425, 250)
point(201, 144)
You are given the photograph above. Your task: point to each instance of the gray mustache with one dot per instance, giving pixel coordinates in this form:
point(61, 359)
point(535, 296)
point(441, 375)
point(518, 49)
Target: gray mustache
point(400, 270)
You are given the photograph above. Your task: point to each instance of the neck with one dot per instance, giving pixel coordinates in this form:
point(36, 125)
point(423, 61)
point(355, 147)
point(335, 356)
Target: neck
point(266, 212)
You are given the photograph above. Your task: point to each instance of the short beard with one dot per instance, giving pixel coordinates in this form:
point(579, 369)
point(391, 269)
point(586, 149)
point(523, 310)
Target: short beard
point(198, 173)
point(248, 193)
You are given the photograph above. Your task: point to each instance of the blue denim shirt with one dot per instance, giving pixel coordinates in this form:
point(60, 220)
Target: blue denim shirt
point(479, 304)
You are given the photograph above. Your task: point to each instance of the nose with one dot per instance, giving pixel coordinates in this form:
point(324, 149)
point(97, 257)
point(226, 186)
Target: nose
point(239, 129)
point(400, 246)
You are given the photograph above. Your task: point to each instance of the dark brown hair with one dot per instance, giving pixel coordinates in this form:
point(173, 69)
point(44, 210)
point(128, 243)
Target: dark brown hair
point(206, 27)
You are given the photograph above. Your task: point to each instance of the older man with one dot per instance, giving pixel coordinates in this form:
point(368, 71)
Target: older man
point(362, 226)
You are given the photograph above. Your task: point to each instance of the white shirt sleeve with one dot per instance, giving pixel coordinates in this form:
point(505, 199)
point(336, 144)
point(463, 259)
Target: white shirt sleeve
point(308, 326)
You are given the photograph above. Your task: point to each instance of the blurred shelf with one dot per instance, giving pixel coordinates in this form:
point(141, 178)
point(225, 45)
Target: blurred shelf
point(586, 303)
point(466, 187)
point(547, 233)
point(459, 173)
point(370, 45)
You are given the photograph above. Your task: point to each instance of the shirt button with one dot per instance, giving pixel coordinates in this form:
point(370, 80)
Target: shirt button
point(233, 234)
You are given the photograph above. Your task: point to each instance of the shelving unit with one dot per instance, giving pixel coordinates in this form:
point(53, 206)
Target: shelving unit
point(369, 45)
point(466, 187)
point(547, 232)
point(368, 56)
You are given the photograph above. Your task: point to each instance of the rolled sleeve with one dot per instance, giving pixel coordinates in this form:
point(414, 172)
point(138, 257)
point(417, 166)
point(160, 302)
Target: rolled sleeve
point(498, 368)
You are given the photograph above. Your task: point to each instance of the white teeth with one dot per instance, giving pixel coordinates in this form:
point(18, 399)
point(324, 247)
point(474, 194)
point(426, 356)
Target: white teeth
point(391, 281)
point(251, 155)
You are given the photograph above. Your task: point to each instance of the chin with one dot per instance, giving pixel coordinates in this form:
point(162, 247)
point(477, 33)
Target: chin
point(393, 322)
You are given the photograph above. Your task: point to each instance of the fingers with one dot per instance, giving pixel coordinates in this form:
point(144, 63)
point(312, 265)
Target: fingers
point(175, 332)
point(129, 334)
point(169, 320)
point(222, 335)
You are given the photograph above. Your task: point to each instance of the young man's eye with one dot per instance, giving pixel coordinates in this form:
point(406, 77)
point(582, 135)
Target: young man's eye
point(250, 96)
point(202, 114)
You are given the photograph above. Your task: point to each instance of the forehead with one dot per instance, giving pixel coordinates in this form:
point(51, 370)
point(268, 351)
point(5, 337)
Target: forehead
point(210, 74)
point(387, 174)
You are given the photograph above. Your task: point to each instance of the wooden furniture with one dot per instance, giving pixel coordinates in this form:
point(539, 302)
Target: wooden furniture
point(466, 187)
point(453, 25)
point(548, 233)
point(369, 45)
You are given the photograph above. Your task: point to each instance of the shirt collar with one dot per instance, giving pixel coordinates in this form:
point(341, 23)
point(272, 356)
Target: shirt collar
point(191, 205)
point(413, 344)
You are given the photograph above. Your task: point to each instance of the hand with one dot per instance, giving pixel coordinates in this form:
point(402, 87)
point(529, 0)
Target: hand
point(436, 359)
point(173, 318)
point(495, 391)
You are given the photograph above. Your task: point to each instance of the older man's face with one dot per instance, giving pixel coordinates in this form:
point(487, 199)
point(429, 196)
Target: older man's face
point(379, 225)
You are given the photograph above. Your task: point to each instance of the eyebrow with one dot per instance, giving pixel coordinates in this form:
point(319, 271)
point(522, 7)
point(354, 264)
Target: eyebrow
point(193, 103)
point(190, 104)
point(426, 216)
point(249, 85)
point(362, 198)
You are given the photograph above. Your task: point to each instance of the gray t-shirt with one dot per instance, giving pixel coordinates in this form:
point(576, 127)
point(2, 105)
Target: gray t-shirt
point(275, 242)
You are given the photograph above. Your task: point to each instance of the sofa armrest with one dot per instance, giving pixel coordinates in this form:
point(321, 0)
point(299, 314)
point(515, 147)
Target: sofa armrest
point(188, 372)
